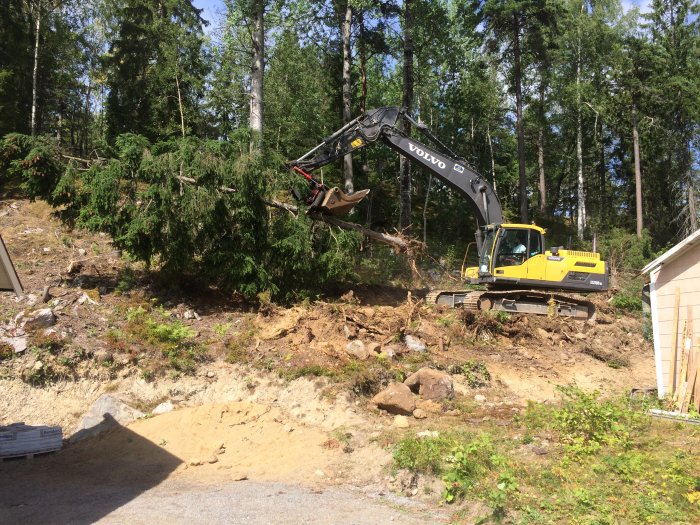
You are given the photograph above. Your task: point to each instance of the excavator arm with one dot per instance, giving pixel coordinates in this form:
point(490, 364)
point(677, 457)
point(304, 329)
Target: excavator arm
point(381, 125)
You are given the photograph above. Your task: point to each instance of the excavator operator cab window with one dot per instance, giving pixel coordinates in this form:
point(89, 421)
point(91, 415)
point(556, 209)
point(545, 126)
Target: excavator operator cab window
point(516, 246)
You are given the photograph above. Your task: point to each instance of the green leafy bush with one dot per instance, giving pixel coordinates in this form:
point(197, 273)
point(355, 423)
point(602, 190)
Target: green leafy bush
point(624, 251)
point(587, 422)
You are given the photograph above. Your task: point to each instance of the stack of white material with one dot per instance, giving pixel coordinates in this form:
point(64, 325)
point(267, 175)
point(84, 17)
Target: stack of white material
point(19, 439)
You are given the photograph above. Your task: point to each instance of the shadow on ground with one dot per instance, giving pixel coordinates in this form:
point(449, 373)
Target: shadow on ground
point(83, 482)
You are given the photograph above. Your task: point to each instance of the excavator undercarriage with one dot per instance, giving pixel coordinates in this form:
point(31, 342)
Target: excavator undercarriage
point(515, 301)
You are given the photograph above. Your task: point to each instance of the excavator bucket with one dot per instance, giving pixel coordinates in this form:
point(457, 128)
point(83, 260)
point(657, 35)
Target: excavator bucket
point(337, 203)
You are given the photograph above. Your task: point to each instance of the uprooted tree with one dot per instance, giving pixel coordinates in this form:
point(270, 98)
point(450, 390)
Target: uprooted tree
point(194, 207)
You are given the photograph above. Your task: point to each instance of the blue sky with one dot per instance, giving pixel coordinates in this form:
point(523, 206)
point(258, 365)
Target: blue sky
point(212, 7)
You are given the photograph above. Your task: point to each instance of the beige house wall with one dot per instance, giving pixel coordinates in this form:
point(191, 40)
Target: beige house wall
point(682, 274)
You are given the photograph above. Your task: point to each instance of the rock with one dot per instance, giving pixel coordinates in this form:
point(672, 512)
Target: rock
point(42, 318)
point(82, 252)
point(85, 298)
point(479, 398)
point(163, 408)
point(349, 333)
point(428, 434)
point(396, 399)
point(419, 413)
point(374, 348)
point(190, 314)
point(357, 350)
point(107, 412)
point(394, 350)
point(31, 299)
point(544, 334)
point(431, 384)
point(401, 422)
point(19, 344)
point(414, 344)
point(38, 365)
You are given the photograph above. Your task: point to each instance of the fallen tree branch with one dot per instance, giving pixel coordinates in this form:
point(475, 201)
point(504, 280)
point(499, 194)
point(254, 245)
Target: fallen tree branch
point(397, 242)
point(282, 206)
point(400, 243)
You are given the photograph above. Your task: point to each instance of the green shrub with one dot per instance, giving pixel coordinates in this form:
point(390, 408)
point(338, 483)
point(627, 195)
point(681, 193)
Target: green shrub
point(475, 372)
point(587, 422)
point(624, 251)
point(425, 456)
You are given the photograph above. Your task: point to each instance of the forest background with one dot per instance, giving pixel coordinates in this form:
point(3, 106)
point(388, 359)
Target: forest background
point(132, 117)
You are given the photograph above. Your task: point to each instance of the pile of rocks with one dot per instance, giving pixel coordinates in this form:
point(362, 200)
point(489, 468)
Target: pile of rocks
point(401, 399)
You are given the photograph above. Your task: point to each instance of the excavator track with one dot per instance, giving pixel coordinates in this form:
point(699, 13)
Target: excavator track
point(515, 301)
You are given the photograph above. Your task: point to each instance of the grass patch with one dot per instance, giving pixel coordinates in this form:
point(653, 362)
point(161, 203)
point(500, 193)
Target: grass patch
point(603, 463)
point(156, 341)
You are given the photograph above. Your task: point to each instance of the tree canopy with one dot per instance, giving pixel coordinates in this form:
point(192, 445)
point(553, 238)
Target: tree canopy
point(583, 116)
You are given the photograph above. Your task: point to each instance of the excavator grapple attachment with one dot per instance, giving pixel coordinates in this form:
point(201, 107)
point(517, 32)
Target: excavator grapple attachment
point(338, 203)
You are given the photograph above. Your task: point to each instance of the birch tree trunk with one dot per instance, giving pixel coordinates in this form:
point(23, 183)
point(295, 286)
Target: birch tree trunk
point(517, 74)
point(581, 192)
point(540, 154)
point(347, 95)
point(637, 170)
point(256, 75)
point(37, 30)
point(407, 102)
point(179, 105)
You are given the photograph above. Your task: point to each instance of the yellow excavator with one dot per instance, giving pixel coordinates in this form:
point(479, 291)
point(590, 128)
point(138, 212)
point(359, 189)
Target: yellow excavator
point(515, 269)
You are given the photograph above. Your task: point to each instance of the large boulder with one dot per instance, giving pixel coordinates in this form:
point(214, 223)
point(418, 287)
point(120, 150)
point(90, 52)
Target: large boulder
point(107, 412)
point(357, 349)
point(431, 384)
point(42, 318)
point(396, 399)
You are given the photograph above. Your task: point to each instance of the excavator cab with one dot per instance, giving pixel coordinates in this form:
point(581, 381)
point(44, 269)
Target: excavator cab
point(514, 255)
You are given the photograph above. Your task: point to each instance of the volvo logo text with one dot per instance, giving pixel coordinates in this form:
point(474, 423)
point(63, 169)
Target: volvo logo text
point(427, 156)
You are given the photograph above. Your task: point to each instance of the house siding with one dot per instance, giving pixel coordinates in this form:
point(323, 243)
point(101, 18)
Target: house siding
point(682, 273)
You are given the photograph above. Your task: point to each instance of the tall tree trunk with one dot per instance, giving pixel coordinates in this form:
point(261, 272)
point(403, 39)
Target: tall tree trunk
point(347, 95)
point(493, 161)
point(517, 74)
point(256, 75)
point(407, 102)
point(540, 153)
point(179, 105)
point(363, 62)
point(581, 193)
point(637, 170)
point(540, 169)
point(37, 30)
point(693, 222)
point(602, 190)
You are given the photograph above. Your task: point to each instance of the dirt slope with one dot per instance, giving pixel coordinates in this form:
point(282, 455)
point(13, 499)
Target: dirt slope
point(285, 391)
